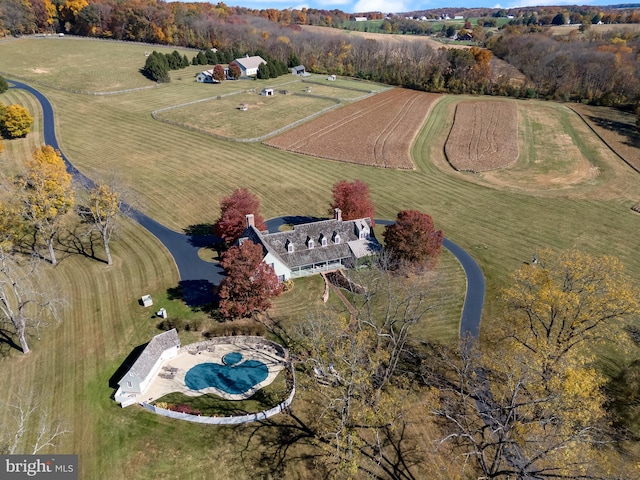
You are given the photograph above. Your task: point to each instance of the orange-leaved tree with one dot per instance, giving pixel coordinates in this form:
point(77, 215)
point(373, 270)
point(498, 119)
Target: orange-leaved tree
point(233, 211)
point(47, 194)
point(250, 283)
point(353, 199)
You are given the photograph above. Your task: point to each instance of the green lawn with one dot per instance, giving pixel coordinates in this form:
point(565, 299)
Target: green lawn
point(78, 64)
point(223, 117)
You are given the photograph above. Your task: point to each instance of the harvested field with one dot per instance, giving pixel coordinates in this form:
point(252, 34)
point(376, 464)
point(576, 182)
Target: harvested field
point(484, 136)
point(377, 131)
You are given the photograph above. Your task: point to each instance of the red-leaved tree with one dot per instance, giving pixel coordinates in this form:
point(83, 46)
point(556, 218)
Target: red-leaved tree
point(353, 199)
point(250, 283)
point(413, 239)
point(218, 73)
point(233, 211)
point(234, 70)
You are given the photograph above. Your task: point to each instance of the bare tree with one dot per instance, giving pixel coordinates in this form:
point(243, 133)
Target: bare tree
point(103, 209)
point(27, 414)
point(21, 304)
point(353, 363)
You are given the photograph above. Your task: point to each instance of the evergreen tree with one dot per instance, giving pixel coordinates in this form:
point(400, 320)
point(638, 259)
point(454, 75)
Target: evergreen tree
point(263, 72)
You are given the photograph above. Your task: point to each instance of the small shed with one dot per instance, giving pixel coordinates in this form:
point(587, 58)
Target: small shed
point(243, 107)
point(331, 78)
point(299, 71)
point(146, 301)
point(267, 92)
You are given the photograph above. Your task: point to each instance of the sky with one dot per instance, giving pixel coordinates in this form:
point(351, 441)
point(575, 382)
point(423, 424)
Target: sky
point(396, 6)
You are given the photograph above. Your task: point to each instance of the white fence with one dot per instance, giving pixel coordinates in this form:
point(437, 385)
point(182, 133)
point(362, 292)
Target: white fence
point(253, 417)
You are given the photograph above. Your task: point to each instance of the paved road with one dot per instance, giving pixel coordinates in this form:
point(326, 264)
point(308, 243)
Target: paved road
point(198, 277)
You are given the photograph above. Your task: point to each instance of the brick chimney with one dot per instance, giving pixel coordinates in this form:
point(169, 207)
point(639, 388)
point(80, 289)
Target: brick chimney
point(250, 220)
point(337, 214)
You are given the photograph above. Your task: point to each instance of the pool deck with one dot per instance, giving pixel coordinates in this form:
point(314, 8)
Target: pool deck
point(170, 377)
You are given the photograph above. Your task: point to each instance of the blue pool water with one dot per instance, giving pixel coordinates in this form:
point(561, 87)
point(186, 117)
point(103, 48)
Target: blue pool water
point(232, 377)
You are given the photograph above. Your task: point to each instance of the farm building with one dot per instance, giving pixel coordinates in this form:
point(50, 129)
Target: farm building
point(311, 248)
point(299, 71)
point(249, 65)
point(162, 347)
point(267, 92)
point(206, 77)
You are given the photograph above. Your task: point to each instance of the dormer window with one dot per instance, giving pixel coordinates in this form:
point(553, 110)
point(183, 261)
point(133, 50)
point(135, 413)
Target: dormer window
point(289, 246)
point(323, 240)
point(310, 244)
point(336, 238)
point(363, 231)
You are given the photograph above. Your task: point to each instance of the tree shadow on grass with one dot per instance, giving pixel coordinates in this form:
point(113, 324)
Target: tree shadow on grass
point(627, 130)
point(7, 343)
point(199, 295)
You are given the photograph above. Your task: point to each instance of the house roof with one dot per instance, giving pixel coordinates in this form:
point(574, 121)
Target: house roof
point(299, 68)
point(151, 353)
point(250, 62)
point(342, 241)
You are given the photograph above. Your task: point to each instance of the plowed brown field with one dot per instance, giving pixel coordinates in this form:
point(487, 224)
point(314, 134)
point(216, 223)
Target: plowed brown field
point(484, 136)
point(376, 131)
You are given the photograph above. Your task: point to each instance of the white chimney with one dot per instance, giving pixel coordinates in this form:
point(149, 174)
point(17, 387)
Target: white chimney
point(337, 214)
point(250, 220)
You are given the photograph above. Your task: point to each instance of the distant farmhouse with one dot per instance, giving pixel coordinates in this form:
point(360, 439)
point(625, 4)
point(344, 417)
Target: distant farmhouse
point(249, 65)
point(161, 347)
point(315, 247)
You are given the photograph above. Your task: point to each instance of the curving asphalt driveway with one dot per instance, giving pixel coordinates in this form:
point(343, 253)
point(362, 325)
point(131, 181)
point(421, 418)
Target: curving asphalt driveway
point(198, 277)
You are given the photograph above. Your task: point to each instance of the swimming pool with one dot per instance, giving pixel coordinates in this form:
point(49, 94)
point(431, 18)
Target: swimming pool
point(233, 376)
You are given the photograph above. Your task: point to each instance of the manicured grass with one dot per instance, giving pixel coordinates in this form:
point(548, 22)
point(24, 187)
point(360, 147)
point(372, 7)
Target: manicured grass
point(79, 64)
point(264, 115)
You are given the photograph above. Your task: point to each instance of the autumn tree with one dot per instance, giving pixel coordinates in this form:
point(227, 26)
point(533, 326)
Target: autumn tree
point(352, 368)
point(4, 86)
point(250, 284)
point(234, 70)
point(17, 121)
point(504, 421)
point(47, 194)
point(102, 211)
point(413, 239)
point(564, 301)
point(218, 73)
point(233, 211)
point(353, 199)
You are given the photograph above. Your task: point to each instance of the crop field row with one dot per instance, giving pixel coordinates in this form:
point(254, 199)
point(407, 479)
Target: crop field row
point(484, 136)
point(377, 131)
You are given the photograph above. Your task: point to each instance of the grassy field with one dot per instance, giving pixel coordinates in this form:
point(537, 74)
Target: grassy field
point(265, 115)
point(78, 64)
point(179, 177)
